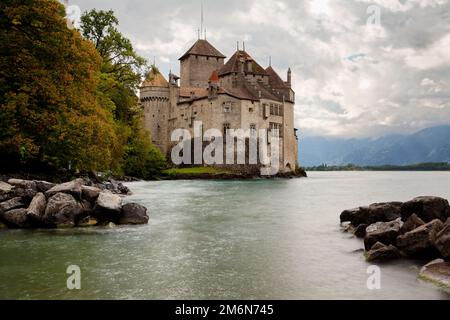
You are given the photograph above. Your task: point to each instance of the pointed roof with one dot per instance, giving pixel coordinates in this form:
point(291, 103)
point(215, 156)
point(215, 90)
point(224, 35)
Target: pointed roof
point(202, 48)
point(155, 79)
point(275, 80)
point(232, 65)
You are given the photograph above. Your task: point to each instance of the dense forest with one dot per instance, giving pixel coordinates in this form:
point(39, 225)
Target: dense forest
point(68, 97)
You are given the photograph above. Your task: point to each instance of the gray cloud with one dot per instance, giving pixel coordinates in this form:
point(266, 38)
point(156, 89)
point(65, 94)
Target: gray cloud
point(351, 78)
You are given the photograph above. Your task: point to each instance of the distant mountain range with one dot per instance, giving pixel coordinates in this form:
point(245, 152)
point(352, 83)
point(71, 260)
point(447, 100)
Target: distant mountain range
point(428, 145)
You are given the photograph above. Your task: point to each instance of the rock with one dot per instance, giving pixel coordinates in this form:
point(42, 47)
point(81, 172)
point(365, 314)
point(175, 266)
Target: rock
point(72, 187)
point(381, 252)
point(426, 208)
point(123, 189)
point(437, 272)
point(376, 212)
point(26, 194)
point(43, 186)
point(360, 231)
point(108, 206)
point(62, 210)
point(5, 187)
point(384, 232)
point(87, 222)
point(16, 218)
point(11, 204)
point(133, 213)
point(36, 209)
point(349, 214)
point(419, 242)
point(90, 193)
point(25, 184)
point(442, 241)
point(411, 223)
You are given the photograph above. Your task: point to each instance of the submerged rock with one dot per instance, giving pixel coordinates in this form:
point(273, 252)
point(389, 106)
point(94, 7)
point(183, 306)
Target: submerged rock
point(384, 232)
point(420, 241)
point(133, 213)
point(382, 252)
point(360, 231)
point(437, 272)
point(426, 208)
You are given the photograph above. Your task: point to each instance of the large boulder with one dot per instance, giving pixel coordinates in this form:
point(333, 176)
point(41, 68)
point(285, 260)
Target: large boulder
point(376, 212)
point(44, 186)
point(27, 194)
point(16, 218)
point(133, 213)
point(107, 207)
point(36, 209)
point(382, 252)
point(62, 210)
point(419, 243)
point(426, 208)
point(25, 184)
point(5, 187)
point(411, 223)
point(90, 193)
point(11, 204)
point(72, 187)
point(442, 241)
point(384, 232)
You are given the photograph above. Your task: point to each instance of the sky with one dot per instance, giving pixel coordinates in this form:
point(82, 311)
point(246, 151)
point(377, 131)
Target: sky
point(360, 68)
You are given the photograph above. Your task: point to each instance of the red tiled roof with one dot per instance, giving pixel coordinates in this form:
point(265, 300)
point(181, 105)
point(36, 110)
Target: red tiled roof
point(274, 79)
point(238, 57)
point(202, 48)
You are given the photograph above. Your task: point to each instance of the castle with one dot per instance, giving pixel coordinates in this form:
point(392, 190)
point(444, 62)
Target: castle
point(236, 94)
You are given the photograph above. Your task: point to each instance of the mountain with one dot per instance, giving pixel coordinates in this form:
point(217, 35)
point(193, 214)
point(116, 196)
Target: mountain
point(428, 145)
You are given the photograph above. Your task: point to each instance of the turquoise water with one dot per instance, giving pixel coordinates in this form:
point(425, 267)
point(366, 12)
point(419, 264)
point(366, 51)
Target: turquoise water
point(258, 239)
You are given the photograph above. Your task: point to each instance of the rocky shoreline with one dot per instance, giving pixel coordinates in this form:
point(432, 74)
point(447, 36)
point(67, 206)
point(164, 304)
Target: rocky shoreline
point(29, 204)
point(417, 229)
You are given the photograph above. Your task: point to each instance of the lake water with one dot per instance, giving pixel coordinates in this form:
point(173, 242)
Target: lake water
point(255, 239)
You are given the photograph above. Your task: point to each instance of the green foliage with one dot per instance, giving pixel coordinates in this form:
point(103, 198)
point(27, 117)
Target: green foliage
point(48, 78)
point(68, 101)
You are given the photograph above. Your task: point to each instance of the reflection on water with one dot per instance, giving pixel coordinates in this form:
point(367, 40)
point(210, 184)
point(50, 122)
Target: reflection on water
point(264, 239)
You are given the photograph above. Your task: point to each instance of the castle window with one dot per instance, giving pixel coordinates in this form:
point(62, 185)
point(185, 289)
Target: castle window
point(275, 129)
point(227, 107)
point(226, 127)
point(250, 109)
point(252, 128)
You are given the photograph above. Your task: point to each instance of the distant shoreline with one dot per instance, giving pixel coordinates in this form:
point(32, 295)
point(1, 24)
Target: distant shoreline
point(432, 166)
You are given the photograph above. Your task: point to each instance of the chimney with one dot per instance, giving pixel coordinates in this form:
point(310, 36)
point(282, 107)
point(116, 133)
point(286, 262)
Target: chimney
point(289, 77)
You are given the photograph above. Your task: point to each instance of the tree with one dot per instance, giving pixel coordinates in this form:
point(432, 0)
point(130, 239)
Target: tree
point(51, 111)
point(122, 71)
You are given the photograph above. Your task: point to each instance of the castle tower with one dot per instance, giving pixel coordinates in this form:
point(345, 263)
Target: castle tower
point(155, 99)
point(198, 63)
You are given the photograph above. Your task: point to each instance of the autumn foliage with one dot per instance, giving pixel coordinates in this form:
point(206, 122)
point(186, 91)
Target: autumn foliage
point(61, 103)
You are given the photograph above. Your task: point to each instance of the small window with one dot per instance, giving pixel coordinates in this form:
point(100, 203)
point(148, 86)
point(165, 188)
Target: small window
point(250, 109)
point(227, 107)
point(226, 127)
point(252, 128)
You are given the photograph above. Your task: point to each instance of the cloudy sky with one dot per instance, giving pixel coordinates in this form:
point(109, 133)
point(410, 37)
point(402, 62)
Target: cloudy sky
point(360, 67)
